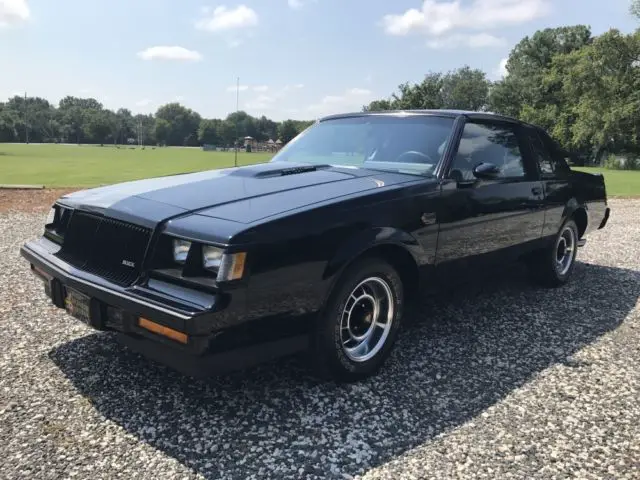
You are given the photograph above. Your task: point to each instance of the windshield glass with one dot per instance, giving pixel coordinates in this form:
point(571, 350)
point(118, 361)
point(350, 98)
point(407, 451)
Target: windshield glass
point(409, 144)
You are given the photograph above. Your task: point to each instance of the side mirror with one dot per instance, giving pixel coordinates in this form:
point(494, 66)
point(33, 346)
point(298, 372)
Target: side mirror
point(486, 171)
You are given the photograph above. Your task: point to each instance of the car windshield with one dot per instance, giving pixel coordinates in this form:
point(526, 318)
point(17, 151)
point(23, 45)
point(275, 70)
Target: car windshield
point(409, 144)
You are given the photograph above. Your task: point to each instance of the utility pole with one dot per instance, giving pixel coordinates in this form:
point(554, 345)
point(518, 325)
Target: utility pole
point(235, 162)
point(26, 125)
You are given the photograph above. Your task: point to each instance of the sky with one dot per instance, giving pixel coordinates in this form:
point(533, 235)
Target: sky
point(297, 59)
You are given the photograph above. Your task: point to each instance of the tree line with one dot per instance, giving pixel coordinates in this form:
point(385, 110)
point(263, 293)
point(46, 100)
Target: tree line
point(584, 89)
point(85, 120)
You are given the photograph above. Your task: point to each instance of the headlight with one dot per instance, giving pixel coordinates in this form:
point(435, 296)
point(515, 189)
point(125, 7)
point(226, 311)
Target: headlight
point(181, 250)
point(232, 267)
point(229, 266)
point(211, 257)
point(51, 216)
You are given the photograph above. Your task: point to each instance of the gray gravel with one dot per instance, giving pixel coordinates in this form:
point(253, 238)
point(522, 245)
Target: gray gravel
point(503, 380)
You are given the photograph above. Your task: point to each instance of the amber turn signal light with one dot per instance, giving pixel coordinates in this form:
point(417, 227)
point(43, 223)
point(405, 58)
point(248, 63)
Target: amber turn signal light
point(162, 330)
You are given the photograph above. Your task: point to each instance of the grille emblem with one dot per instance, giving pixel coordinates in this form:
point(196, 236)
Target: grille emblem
point(128, 263)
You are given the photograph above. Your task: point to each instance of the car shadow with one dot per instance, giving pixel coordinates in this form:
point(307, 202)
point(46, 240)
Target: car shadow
point(460, 353)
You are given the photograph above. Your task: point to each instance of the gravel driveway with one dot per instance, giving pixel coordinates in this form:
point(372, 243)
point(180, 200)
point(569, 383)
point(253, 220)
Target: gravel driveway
point(503, 380)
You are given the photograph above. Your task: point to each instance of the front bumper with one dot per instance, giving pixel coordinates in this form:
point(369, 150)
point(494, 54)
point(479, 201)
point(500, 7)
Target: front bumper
point(217, 338)
point(197, 314)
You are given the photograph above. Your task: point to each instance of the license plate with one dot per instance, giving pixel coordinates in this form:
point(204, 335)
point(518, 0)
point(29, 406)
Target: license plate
point(78, 305)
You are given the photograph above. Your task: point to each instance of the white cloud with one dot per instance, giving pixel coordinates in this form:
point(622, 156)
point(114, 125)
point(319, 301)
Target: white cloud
point(145, 102)
point(350, 100)
point(223, 19)
point(13, 12)
point(269, 101)
point(437, 18)
point(359, 91)
point(298, 4)
point(480, 40)
point(170, 53)
point(296, 86)
point(234, 88)
point(262, 102)
point(501, 71)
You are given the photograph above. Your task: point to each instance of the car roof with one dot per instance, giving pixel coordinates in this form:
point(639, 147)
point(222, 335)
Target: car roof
point(451, 113)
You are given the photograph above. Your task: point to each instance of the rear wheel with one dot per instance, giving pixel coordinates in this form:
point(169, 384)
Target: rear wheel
point(359, 325)
point(553, 265)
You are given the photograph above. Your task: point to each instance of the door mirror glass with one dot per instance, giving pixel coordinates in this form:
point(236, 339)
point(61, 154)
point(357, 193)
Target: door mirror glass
point(486, 170)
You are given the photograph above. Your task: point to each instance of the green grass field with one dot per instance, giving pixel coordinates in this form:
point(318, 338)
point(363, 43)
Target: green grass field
point(619, 183)
point(86, 166)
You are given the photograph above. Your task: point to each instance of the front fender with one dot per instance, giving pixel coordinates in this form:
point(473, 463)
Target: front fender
point(364, 241)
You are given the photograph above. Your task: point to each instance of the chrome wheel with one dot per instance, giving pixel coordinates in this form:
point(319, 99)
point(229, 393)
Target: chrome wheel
point(565, 247)
point(366, 319)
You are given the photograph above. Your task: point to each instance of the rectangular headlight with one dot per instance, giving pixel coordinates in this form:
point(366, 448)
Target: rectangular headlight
point(51, 216)
point(180, 250)
point(211, 257)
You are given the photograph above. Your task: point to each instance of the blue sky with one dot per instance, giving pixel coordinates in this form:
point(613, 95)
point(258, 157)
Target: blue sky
point(295, 58)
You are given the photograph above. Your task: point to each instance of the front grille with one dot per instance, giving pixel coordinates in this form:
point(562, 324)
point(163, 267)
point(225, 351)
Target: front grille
point(100, 245)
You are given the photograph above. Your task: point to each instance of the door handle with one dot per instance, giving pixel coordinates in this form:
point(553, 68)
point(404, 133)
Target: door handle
point(536, 190)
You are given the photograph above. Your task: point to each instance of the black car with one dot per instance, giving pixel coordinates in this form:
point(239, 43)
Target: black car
point(322, 247)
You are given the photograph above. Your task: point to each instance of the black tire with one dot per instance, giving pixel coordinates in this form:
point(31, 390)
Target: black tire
point(330, 357)
point(544, 265)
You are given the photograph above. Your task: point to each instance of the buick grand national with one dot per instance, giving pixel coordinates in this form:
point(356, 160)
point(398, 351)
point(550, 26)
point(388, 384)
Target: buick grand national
point(321, 248)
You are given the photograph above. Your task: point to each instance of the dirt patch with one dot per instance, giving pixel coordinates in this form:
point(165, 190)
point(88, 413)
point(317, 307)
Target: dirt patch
point(30, 200)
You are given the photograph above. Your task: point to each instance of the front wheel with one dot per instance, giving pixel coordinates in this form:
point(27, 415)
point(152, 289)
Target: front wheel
point(359, 325)
point(553, 265)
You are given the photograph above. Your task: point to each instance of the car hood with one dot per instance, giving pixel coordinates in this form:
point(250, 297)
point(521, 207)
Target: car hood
point(242, 194)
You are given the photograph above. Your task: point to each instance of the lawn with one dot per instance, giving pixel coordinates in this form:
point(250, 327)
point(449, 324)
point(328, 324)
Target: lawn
point(619, 183)
point(86, 166)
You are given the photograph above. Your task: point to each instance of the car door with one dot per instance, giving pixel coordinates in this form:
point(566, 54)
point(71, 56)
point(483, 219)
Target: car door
point(487, 220)
point(554, 175)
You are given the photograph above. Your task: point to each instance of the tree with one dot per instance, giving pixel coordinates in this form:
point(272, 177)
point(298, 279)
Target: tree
point(526, 66)
point(464, 88)
point(378, 105)
point(98, 126)
point(208, 132)
point(287, 131)
point(600, 88)
point(181, 126)
point(635, 8)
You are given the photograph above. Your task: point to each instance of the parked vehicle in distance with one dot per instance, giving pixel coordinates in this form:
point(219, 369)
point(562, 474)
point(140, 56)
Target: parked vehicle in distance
point(322, 247)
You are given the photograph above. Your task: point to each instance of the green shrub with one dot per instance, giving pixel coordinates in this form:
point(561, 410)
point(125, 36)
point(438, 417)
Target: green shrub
point(614, 162)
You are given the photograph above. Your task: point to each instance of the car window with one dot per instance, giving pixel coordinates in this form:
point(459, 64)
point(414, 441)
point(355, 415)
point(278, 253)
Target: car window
point(488, 143)
point(551, 157)
point(541, 155)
